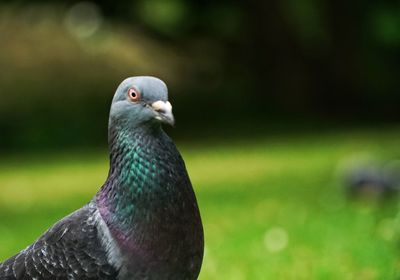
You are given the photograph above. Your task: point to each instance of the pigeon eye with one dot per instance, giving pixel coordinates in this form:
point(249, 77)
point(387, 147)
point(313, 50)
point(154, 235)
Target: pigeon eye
point(134, 94)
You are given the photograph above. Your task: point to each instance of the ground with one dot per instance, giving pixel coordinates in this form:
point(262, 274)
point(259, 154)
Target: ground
point(273, 207)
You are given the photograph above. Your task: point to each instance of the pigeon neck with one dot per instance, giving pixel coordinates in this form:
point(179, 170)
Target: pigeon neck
point(143, 165)
point(125, 143)
point(132, 152)
point(149, 206)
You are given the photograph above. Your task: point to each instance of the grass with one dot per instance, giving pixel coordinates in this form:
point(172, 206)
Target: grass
point(273, 207)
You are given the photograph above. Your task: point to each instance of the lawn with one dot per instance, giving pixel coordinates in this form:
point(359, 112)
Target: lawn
point(273, 207)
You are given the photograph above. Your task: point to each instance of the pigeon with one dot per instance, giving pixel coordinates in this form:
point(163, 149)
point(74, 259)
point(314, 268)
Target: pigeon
point(144, 222)
point(371, 180)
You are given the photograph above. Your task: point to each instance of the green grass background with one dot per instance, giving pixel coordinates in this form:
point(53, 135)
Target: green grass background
point(272, 207)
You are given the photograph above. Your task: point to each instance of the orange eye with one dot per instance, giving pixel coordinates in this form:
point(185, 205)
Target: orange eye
point(134, 94)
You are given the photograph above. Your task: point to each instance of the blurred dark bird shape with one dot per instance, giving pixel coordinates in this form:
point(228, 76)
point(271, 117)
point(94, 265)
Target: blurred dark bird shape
point(372, 181)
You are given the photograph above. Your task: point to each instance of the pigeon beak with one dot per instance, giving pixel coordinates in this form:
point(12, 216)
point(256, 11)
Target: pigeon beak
point(163, 112)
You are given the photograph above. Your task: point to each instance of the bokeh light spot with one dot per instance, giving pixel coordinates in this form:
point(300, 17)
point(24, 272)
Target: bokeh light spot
point(83, 19)
point(276, 239)
point(166, 16)
point(386, 229)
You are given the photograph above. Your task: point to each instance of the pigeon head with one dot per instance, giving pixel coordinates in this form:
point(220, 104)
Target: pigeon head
point(141, 101)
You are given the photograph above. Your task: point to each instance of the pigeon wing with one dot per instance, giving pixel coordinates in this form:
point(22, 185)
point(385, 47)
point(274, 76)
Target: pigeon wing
point(71, 249)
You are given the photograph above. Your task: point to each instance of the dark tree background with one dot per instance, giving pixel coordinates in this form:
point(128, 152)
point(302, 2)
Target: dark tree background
point(230, 65)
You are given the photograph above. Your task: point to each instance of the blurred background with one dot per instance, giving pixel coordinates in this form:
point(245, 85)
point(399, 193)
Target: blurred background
point(287, 116)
